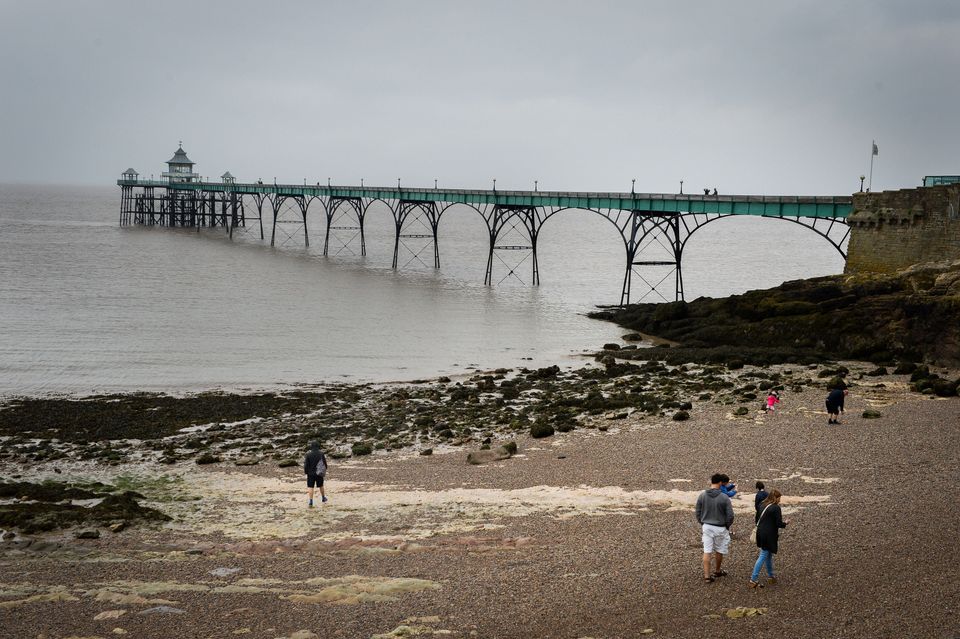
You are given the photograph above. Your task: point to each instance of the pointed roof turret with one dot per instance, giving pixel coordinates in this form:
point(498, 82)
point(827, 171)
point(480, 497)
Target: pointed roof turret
point(180, 157)
point(227, 176)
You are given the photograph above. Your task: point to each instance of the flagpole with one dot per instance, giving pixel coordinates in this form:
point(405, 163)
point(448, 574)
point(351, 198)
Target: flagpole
point(873, 145)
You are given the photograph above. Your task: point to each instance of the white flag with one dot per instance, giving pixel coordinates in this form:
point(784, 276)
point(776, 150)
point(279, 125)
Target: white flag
point(876, 151)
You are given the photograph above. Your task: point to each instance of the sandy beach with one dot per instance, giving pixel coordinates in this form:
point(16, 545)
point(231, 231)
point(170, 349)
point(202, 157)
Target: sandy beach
point(587, 533)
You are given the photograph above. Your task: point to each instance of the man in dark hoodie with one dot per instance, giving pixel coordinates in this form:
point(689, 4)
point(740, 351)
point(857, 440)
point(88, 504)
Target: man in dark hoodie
point(315, 468)
point(715, 515)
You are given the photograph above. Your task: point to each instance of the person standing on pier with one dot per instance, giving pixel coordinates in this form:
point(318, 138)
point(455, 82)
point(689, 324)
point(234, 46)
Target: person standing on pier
point(315, 468)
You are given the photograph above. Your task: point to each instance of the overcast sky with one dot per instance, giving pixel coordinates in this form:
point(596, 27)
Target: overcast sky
point(749, 97)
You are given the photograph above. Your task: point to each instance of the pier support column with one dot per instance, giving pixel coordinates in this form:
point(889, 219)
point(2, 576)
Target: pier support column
point(427, 215)
point(521, 222)
point(644, 224)
point(340, 210)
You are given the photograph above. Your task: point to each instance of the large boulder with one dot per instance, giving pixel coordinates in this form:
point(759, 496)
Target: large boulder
point(479, 457)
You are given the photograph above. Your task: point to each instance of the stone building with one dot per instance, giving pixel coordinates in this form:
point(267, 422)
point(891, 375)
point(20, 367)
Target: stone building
point(892, 230)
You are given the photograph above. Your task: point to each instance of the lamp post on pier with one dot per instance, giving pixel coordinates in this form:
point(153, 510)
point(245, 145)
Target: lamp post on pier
point(535, 185)
point(862, 178)
point(681, 187)
point(633, 184)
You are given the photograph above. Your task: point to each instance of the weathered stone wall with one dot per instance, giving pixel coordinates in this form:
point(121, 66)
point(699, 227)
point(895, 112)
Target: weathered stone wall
point(892, 230)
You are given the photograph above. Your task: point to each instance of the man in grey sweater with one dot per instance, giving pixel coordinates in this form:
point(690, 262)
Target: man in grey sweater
point(715, 515)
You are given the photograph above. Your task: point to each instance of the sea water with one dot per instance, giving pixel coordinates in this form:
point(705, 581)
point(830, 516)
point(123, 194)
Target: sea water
point(89, 306)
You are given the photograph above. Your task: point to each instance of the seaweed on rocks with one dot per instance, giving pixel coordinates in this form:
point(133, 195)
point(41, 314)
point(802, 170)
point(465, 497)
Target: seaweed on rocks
point(44, 507)
point(908, 315)
point(142, 415)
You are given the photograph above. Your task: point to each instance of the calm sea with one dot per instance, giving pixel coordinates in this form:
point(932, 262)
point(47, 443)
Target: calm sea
point(87, 306)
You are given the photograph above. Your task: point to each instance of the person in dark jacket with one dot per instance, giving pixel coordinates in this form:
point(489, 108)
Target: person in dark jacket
point(835, 405)
point(315, 468)
point(769, 522)
point(715, 515)
point(760, 496)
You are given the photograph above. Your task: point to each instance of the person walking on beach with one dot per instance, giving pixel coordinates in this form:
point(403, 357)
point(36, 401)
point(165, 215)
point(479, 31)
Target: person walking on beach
point(769, 522)
point(760, 496)
point(315, 468)
point(715, 516)
point(772, 400)
point(835, 405)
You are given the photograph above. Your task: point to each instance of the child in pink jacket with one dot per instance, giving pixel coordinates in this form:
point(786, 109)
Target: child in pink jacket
point(772, 400)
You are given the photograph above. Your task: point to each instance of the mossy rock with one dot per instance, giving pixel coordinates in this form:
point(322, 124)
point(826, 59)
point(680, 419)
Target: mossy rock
point(359, 449)
point(541, 429)
point(871, 414)
point(877, 372)
point(905, 368)
point(208, 458)
point(686, 405)
point(565, 426)
point(681, 415)
point(287, 463)
point(741, 411)
point(511, 447)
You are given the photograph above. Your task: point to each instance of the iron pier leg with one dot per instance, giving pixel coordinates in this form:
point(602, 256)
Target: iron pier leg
point(273, 231)
point(306, 235)
point(488, 277)
point(631, 246)
point(677, 255)
point(326, 236)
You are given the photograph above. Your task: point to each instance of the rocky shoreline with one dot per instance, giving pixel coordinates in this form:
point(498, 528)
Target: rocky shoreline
point(911, 315)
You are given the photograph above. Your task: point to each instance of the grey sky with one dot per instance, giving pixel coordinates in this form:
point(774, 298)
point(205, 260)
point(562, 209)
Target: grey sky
point(750, 97)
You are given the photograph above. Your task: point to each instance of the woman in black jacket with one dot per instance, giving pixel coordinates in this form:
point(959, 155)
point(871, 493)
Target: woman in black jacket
point(769, 522)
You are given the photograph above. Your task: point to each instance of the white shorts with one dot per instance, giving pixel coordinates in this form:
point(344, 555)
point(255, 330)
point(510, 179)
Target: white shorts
point(715, 539)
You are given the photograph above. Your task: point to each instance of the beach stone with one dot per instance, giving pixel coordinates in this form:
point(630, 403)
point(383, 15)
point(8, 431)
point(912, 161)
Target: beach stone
point(8, 535)
point(193, 551)
point(621, 414)
point(741, 611)
point(224, 572)
point(361, 448)
point(207, 458)
point(740, 411)
point(681, 415)
point(479, 457)
point(109, 614)
point(511, 447)
point(247, 461)
point(426, 452)
point(287, 463)
point(119, 631)
point(611, 347)
point(119, 526)
point(162, 610)
point(88, 534)
point(541, 429)
point(871, 414)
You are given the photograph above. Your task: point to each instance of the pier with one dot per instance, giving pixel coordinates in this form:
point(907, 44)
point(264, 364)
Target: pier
point(514, 219)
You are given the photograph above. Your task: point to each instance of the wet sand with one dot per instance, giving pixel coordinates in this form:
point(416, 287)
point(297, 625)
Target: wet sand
point(588, 533)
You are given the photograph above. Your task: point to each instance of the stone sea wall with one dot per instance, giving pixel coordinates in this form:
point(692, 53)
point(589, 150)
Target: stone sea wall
point(893, 230)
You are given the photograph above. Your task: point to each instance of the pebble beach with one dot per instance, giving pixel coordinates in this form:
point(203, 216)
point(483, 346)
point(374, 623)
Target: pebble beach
point(586, 533)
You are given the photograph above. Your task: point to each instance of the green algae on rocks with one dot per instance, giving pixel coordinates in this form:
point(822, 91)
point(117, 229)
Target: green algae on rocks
point(911, 315)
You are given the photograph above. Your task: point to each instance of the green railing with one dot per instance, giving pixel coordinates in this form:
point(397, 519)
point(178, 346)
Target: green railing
point(765, 205)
